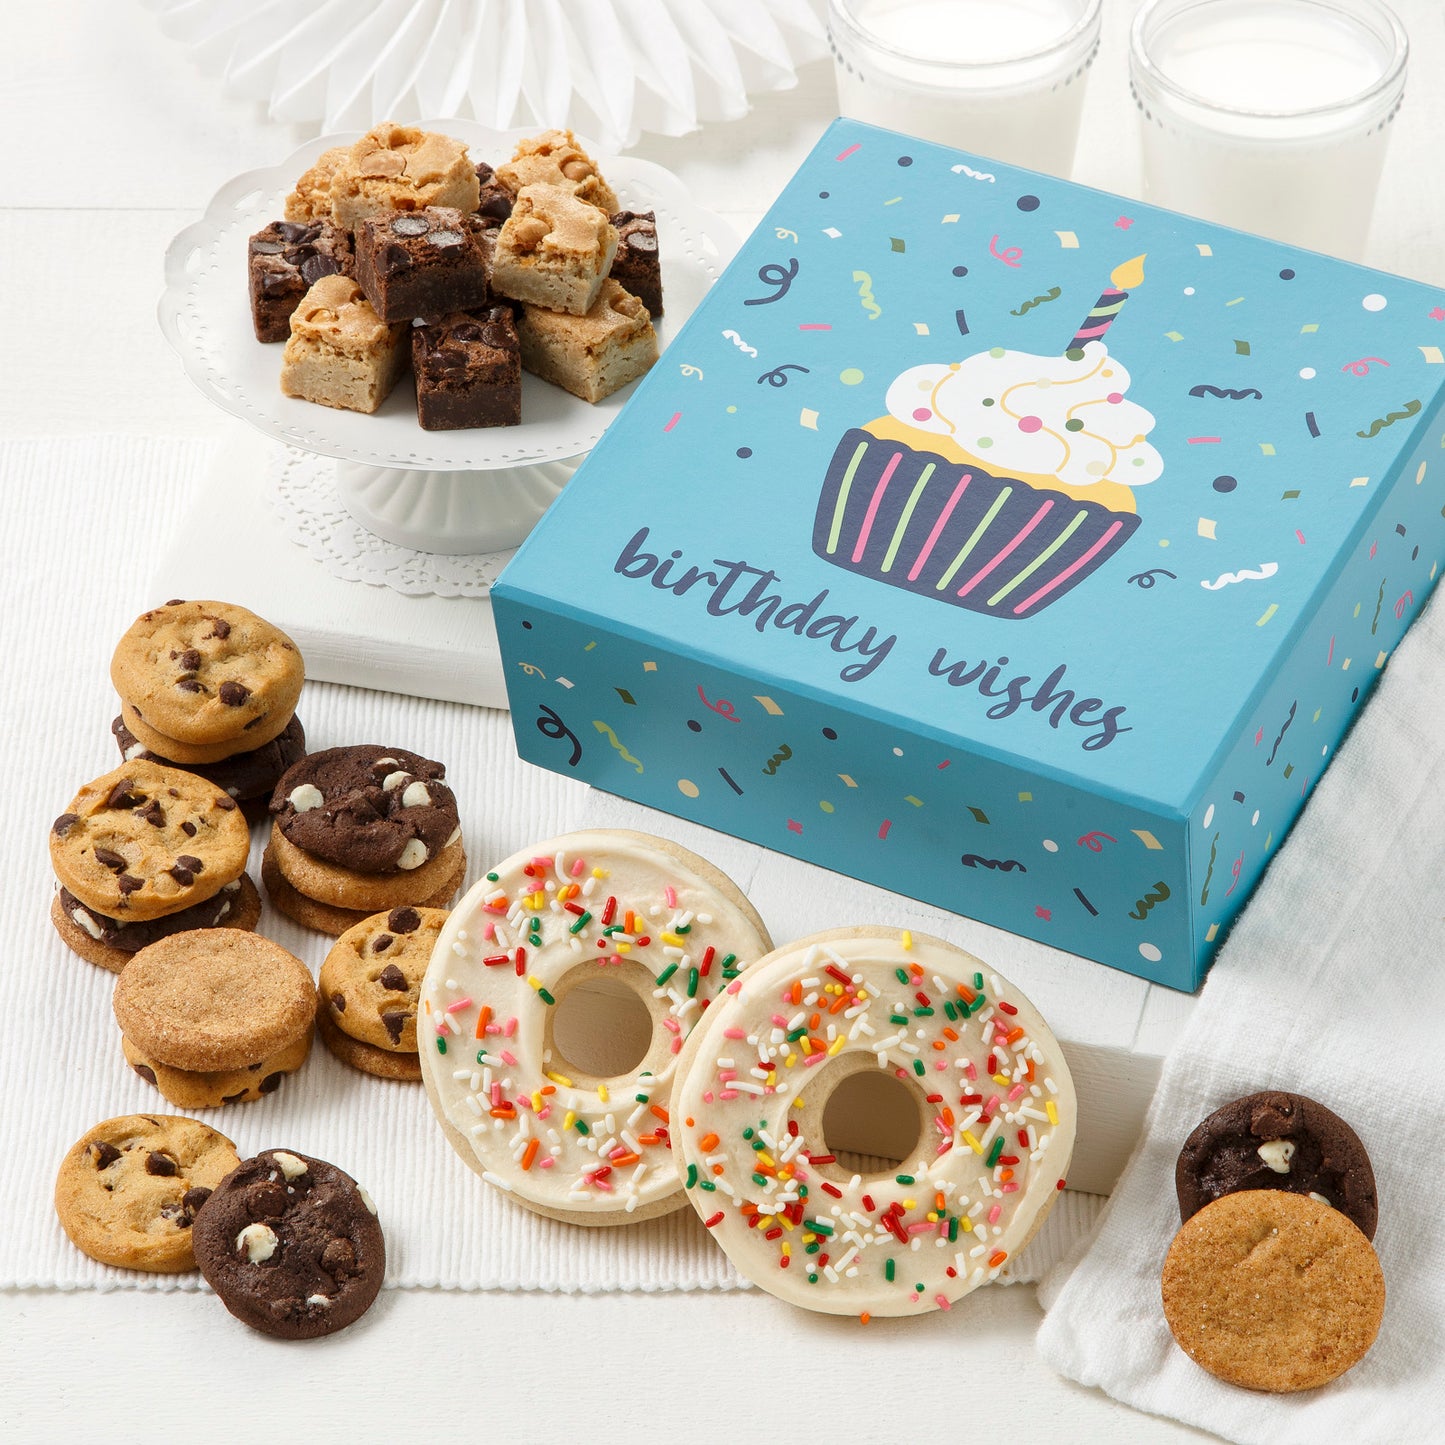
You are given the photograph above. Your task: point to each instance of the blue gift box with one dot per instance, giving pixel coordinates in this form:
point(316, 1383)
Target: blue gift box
point(1012, 545)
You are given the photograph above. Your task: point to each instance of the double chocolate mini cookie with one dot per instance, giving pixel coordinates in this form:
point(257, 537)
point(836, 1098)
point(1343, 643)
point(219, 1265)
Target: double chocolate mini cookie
point(145, 851)
point(360, 829)
point(129, 1189)
point(201, 681)
point(291, 1245)
point(1275, 1140)
point(215, 1017)
point(248, 777)
point(367, 993)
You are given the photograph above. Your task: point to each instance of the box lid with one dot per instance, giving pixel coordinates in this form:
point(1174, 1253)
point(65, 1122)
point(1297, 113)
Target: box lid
point(1059, 475)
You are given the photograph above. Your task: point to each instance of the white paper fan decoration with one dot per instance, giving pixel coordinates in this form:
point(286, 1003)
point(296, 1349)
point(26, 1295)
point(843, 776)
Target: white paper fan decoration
point(608, 68)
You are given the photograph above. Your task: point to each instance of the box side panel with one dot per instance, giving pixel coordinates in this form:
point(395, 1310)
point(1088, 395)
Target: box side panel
point(764, 761)
point(1288, 737)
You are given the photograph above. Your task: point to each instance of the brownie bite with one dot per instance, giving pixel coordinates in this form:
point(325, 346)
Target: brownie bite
point(494, 204)
point(421, 263)
point(593, 355)
point(468, 370)
point(637, 266)
point(283, 262)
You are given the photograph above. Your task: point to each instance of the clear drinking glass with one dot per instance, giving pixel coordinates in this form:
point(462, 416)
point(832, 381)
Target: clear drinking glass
point(1268, 115)
point(1004, 78)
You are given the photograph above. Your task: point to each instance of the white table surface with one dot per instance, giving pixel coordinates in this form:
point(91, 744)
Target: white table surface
point(114, 143)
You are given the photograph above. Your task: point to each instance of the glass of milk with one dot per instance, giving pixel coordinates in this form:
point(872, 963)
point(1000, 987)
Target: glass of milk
point(1003, 78)
point(1268, 115)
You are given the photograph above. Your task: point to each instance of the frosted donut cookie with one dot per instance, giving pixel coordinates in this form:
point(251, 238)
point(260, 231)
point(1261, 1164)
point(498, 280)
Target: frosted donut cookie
point(897, 1046)
point(554, 1010)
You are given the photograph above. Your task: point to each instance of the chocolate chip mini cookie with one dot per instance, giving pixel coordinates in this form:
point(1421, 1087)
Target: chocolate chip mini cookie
point(329, 917)
point(202, 675)
point(367, 809)
point(291, 1245)
point(1274, 1140)
point(215, 1017)
point(1272, 1291)
point(145, 841)
point(128, 1191)
point(248, 777)
point(367, 993)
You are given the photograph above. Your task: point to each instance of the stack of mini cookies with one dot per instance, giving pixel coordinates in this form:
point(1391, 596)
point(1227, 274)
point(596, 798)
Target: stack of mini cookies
point(360, 830)
point(211, 688)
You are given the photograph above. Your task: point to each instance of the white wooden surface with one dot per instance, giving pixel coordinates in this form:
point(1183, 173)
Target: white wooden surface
point(115, 143)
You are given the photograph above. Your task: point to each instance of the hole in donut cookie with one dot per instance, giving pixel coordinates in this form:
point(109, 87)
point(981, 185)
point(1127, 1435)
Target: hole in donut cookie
point(600, 1028)
point(872, 1122)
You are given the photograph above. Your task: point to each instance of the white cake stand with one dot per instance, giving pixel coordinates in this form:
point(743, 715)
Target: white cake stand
point(472, 491)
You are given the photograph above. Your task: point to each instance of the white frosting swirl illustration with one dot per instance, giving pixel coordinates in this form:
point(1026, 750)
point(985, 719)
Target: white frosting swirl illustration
point(1022, 414)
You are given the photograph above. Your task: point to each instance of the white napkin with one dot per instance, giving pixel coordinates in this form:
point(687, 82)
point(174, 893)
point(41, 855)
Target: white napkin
point(1332, 986)
point(87, 517)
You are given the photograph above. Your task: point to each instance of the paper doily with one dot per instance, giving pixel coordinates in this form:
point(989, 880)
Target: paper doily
point(612, 68)
point(304, 498)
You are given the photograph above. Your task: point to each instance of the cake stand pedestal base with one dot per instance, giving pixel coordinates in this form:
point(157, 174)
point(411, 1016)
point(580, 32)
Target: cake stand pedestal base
point(452, 513)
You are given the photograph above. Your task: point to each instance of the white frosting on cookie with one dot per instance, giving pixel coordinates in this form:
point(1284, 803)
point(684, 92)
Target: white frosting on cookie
point(553, 917)
point(996, 1113)
point(1019, 413)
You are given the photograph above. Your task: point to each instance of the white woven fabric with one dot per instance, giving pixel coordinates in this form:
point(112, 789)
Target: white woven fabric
point(71, 588)
point(1330, 986)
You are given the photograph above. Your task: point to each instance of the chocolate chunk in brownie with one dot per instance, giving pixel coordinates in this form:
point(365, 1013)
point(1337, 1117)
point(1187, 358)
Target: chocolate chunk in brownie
point(637, 265)
point(468, 370)
point(282, 263)
point(421, 263)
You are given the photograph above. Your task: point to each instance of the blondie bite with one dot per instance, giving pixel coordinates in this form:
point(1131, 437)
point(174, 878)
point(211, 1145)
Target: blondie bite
point(311, 200)
point(340, 352)
point(400, 168)
point(593, 355)
point(553, 251)
point(555, 159)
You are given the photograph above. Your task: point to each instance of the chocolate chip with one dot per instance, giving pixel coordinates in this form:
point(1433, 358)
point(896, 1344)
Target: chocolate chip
point(63, 824)
point(144, 1070)
point(225, 804)
point(229, 1098)
point(233, 694)
point(176, 602)
point(108, 859)
point(122, 797)
point(190, 864)
point(194, 1198)
point(266, 1199)
point(484, 172)
point(173, 792)
point(467, 331)
point(183, 876)
point(409, 226)
point(393, 258)
point(188, 828)
point(497, 336)
point(445, 239)
point(255, 722)
point(220, 628)
point(158, 1163)
point(315, 267)
point(382, 942)
point(338, 1258)
point(190, 660)
point(153, 814)
point(403, 920)
point(103, 1154)
point(392, 977)
point(267, 248)
point(271, 1083)
point(189, 684)
point(294, 231)
point(129, 884)
point(338, 1002)
point(395, 1023)
point(641, 241)
point(496, 207)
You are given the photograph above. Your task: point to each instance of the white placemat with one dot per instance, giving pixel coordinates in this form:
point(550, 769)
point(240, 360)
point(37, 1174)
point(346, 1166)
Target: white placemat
point(1331, 986)
point(73, 585)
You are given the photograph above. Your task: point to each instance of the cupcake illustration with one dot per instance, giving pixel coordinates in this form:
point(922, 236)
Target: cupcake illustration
point(999, 482)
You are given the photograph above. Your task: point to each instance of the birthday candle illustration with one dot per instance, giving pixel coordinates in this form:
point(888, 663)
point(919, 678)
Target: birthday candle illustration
point(1122, 280)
